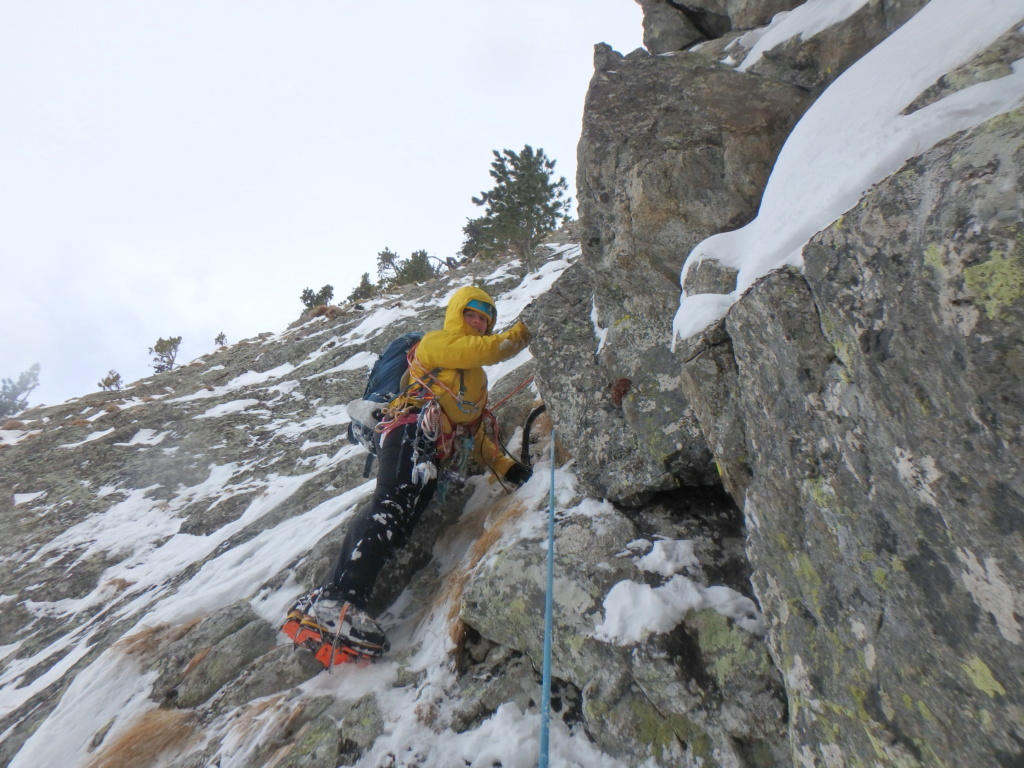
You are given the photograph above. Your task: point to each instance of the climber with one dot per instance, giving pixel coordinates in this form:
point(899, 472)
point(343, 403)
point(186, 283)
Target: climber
point(433, 425)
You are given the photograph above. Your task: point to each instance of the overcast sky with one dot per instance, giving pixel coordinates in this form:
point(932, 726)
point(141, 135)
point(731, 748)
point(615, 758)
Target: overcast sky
point(183, 168)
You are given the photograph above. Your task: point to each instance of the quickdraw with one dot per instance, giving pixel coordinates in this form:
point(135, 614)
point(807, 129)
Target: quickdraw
point(456, 476)
point(425, 449)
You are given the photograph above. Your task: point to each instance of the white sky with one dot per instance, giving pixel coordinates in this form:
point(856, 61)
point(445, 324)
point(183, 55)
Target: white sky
point(185, 168)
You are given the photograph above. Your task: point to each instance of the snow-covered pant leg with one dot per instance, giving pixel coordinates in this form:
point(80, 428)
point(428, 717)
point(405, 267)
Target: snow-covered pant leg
point(385, 525)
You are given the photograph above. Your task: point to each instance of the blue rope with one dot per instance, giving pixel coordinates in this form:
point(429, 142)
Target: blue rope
point(545, 701)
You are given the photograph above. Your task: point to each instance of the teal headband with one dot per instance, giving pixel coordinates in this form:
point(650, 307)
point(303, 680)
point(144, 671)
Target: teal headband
point(482, 307)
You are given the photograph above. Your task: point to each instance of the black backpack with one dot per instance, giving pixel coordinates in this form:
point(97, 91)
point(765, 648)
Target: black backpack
point(383, 386)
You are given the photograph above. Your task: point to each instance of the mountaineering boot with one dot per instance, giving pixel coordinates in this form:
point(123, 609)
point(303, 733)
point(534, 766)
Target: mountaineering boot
point(342, 624)
point(294, 623)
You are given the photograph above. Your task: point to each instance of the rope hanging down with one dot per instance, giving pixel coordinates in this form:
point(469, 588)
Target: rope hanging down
point(545, 700)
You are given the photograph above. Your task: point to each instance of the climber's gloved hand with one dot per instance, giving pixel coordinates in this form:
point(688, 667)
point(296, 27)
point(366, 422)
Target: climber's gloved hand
point(514, 339)
point(518, 474)
point(523, 332)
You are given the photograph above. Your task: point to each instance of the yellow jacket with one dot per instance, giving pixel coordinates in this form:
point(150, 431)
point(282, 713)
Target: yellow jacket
point(450, 362)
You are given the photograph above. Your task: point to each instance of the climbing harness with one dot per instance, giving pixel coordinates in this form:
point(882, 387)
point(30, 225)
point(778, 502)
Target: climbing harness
point(434, 447)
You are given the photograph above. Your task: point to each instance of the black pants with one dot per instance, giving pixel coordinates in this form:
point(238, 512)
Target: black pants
point(383, 527)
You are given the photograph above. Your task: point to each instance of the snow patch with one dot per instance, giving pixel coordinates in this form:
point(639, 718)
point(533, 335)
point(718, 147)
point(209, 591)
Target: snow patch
point(854, 136)
point(89, 439)
point(358, 360)
point(15, 436)
point(235, 406)
point(146, 437)
point(252, 378)
point(25, 498)
point(601, 334)
point(110, 686)
point(667, 558)
point(496, 373)
point(511, 303)
point(632, 611)
point(804, 21)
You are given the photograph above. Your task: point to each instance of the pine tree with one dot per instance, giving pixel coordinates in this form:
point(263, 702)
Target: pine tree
point(310, 299)
point(164, 352)
point(365, 289)
point(525, 203)
point(387, 267)
point(14, 394)
point(394, 271)
point(112, 381)
point(416, 269)
point(479, 242)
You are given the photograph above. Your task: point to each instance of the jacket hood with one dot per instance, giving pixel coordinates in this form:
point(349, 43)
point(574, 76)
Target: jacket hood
point(453, 322)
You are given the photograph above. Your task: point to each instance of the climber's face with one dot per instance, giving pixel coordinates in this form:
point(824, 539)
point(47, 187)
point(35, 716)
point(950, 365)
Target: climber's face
point(476, 320)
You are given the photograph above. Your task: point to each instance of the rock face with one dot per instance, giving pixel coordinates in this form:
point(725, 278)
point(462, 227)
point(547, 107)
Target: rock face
point(865, 413)
point(683, 147)
point(671, 151)
point(667, 28)
point(742, 14)
point(816, 62)
point(874, 405)
point(668, 22)
point(705, 691)
point(626, 445)
point(887, 544)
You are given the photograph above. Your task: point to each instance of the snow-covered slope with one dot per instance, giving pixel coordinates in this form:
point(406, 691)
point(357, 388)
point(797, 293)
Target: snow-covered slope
point(174, 500)
point(157, 568)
